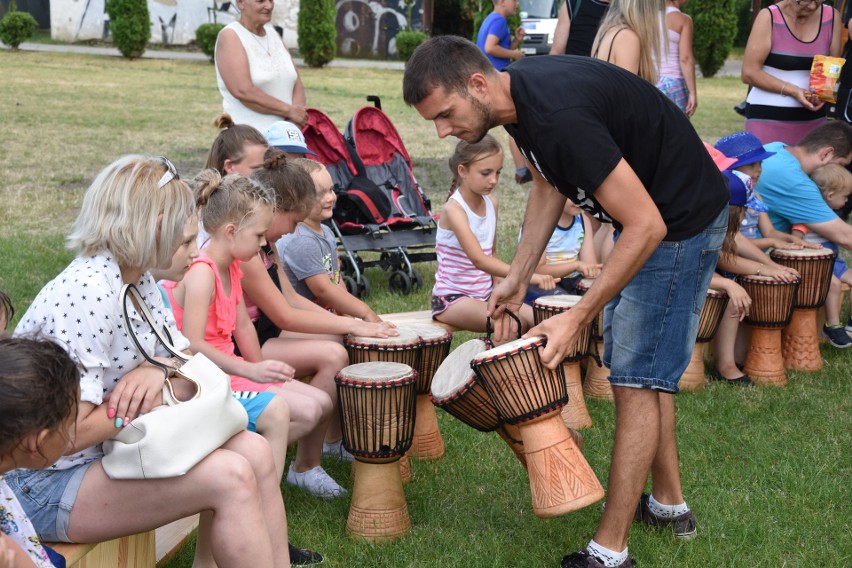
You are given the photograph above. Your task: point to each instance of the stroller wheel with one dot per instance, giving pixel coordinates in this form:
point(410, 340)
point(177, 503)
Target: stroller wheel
point(364, 291)
point(351, 285)
point(416, 279)
point(399, 282)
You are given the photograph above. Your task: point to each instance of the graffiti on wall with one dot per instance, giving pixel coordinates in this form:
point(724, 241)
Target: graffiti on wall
point(172, 21)
point(367, 28)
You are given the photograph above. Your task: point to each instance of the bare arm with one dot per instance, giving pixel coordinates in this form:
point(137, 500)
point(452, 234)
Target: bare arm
point(12, 555)
point(232, 63)
point(625, 51)
point(336, 297)
point(494, 49)
point(271, 301)
point(560, 34)
point(687, 59)
point(836, 230)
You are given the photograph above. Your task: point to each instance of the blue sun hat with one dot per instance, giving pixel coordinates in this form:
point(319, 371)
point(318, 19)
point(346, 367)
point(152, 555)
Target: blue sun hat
point(739, 189)
point(744, 146)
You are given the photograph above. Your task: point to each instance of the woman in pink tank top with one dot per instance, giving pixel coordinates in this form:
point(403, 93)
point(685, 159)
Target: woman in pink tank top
point(677, 66)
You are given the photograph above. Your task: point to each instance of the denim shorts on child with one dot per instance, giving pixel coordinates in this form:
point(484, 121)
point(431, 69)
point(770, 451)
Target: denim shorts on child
point(47, 496)
point(254, 403)
point(650, 326)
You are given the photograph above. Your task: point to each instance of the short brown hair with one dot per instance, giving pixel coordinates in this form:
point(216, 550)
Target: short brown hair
point(443, 61)
point(835, 134)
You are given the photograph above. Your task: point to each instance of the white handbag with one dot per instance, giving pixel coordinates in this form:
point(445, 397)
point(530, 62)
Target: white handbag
point(172, 438)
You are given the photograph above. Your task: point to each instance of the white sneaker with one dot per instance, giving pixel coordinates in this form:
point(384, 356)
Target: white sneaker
point(336, 450)
point(315, 481)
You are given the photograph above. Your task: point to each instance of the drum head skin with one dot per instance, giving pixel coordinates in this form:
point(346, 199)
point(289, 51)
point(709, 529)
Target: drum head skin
point(512, 346)
point(801, 253)
point(428, 331)
point(559, 301)
point(407, 336)
point(377, 372)
point(455, 372)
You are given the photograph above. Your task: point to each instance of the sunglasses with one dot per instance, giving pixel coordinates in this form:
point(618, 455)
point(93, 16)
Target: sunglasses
point(171, 172)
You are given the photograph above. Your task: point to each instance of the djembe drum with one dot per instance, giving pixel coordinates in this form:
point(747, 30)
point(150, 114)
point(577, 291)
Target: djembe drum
point(457, 389)
point(529, 395)
point(596, 384)
point(377, 402)
point(574, 413)
point(711, 316)
point(771, 309)
point(405, 348)
point(435, 346)
point(800, 339)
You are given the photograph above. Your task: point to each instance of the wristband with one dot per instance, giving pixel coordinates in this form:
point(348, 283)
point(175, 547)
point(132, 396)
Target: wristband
point(784, 86)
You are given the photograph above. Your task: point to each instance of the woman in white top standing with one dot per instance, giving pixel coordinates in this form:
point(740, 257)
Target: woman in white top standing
point(677, 68)
point(255, 73)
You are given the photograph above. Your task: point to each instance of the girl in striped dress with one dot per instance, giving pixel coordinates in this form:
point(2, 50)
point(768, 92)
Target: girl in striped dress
point(466, 240)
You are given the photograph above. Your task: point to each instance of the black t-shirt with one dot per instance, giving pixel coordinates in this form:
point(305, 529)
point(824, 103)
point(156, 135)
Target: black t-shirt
point(577, 117)
point(584, 27)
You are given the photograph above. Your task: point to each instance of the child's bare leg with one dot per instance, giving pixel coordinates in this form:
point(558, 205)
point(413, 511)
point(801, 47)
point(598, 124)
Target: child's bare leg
point(726, 337)
point(319, 359)
point(833, 301)
point(274, 425)
point(310, 409)
point(466, 313)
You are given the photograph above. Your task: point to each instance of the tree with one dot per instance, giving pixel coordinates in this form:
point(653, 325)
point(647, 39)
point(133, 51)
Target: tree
point(317, 32)
point(16, 27)
point(715, 24)
point(130, 25)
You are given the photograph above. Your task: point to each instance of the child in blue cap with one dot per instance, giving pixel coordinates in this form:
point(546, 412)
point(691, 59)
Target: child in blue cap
point(748, 152)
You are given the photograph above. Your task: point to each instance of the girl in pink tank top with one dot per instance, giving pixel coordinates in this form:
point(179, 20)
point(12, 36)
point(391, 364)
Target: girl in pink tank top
point(209, 309)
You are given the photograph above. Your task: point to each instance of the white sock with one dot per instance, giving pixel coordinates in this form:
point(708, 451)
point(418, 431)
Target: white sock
point(666, 511)
point(609, 557)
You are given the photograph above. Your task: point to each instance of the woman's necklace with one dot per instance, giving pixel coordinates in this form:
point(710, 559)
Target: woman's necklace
point(265, 47)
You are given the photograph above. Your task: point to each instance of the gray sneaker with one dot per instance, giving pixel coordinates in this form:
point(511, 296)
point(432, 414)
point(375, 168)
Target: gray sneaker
point(683, 525)
point(583, 559)
point(315, 481)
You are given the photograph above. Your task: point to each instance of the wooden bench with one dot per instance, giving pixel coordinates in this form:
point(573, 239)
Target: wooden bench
point(143, 550)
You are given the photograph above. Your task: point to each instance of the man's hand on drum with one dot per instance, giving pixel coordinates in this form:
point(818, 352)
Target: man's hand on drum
point(778, 272)
point(561, 333)
point(508, 294)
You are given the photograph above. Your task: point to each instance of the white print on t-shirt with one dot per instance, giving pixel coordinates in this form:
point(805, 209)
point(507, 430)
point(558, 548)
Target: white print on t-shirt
point(582, 200)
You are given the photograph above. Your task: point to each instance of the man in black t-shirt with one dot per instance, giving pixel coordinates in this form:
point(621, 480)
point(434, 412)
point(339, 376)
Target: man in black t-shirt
point(616, 146)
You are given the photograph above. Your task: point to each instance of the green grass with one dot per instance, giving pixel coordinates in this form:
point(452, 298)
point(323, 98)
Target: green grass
point(766, 470)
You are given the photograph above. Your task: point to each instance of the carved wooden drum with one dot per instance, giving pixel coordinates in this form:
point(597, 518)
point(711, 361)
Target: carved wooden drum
point(435, 346)
point(771, 309)
point(457, 390)
point(574, 413)
point(800, 339)
point(376, 403)
point(404, 348)
point(711, 316)
point(596, 384)
point(530, 395)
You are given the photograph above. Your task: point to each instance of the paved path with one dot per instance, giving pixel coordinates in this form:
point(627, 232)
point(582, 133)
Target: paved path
point(731, 68)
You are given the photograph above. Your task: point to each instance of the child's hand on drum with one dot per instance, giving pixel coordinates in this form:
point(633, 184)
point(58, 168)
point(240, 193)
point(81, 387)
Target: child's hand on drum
point(589, 270)
point(379, 329)
point(739, 300)
point(544, 281)
point(778, 272)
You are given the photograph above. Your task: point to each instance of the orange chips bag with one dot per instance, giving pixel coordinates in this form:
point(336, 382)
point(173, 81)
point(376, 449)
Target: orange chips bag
point(825, 73)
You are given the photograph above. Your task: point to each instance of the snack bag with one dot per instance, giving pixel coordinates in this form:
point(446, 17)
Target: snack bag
point(825, 74)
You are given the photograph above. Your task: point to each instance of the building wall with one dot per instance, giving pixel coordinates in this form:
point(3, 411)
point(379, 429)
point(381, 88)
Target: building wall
point(366, 28)
point(172, 21)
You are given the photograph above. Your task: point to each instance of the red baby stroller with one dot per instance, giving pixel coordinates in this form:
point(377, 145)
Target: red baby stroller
point(380, 206)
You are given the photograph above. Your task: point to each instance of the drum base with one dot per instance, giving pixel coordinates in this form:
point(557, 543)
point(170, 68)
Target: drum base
point(405, 469)
point(693, 378)
point(378, 512)
point(764, 362)
point(597, 378)
point(561, 479)
point(512, 436)
point(574, 413)
point(800, 342)
point(427, 443)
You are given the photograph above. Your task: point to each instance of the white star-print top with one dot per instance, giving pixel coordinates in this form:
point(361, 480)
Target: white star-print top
point(81, 310)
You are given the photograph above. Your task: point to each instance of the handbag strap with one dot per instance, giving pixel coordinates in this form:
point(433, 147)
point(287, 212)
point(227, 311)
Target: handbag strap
point(145, 313)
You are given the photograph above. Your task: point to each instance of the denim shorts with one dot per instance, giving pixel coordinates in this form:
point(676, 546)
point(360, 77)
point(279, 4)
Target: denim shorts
point(651, 325)
point(47, 496)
